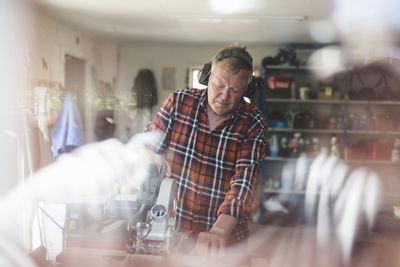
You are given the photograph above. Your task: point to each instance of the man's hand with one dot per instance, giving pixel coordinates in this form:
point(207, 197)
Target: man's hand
point(210, 245)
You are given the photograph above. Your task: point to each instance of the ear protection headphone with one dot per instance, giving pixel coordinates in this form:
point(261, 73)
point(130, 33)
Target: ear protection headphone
point(205, 72)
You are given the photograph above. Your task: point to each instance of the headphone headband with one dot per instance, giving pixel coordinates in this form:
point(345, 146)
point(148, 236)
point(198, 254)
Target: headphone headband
point(236, 53)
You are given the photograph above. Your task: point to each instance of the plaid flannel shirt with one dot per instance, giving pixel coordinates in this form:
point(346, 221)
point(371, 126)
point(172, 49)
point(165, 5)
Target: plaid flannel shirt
point(216, 171)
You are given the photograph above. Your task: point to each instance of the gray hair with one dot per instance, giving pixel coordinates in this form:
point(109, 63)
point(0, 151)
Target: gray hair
point(236, 58)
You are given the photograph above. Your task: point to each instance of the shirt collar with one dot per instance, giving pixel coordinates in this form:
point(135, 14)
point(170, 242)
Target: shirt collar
point(203, 98)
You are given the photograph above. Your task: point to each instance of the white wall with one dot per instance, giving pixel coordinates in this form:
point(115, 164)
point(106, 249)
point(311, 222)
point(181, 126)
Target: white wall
point(51, 40)
point(48, 42)
point(12, 60)
point(157, 56)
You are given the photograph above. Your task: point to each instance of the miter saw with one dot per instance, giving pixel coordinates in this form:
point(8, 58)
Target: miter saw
point(150, 212)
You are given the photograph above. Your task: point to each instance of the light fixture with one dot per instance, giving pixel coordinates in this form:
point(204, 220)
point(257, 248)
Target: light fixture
point(240, 19)
point(233, 6)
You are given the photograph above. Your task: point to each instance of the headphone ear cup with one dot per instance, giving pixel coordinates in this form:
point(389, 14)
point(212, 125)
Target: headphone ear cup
point(204, 74)
point(252, 87)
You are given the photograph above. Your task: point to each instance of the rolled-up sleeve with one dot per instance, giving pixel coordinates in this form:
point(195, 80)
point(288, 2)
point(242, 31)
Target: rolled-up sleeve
point(239, 199)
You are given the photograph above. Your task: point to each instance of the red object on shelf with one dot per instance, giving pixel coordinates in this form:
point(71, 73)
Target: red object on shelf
point(383, 123)
point(279, 82)
point(390, 124)
point(355, 153)
point(379, 151)
point(369, 150)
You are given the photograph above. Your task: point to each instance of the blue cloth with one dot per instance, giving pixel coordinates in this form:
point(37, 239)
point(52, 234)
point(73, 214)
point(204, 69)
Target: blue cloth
point(67, 133)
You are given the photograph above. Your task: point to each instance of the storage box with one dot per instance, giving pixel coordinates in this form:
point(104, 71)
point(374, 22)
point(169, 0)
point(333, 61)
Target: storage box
point(279, 82)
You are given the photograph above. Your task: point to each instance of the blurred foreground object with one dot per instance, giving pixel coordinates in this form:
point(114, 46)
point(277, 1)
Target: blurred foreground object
point(366, 32)
point(90, 172)
point(340, 220)
point(145, 202)
point(370, 22)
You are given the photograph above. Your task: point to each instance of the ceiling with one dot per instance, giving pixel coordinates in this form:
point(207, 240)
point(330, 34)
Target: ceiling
point(193, 21)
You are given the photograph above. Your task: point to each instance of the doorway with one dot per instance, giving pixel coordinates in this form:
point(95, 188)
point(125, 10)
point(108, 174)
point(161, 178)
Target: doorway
point(75, 81)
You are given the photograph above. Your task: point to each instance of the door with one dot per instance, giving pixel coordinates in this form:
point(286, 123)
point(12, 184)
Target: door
point(75, 81)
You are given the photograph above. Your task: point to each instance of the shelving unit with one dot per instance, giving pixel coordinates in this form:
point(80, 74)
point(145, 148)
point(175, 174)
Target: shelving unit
point(281, 191)
point(317, 131)
point(324, 101)
point(386, 162)
point(346, 134)
point(334, 131)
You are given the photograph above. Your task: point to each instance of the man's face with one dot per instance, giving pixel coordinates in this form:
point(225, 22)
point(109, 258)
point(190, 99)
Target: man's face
point(225, 91)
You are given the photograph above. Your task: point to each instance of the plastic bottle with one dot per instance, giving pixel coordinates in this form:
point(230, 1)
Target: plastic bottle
point(307, 144)
point(274, 146)
point(284, 147)
point(334, 146)
point(311, 122)
point(396, 151)
point(294, 146)
point(315, 146)
point(293, 90)
point(301, 143)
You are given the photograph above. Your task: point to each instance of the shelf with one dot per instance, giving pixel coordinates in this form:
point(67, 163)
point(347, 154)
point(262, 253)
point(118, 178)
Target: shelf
point(284, 191)
point(365, 102)
point(374, 162)
point(365, 162)
point(303, 192)
point(334, 131)
point(302, 76)
point(327, 101)
point(308, 101)
point(373, 132)
point(288, 67)
point(304, 68)
point(279, 159)
point(284, 159)
point(317, 131)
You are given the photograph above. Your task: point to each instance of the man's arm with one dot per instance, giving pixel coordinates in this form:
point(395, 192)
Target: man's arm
point(238, 201)
point(212, 243)
point(224, 225)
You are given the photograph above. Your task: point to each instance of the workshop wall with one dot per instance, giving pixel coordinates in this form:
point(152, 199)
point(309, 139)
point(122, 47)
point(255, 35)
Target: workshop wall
point(47, 43)
point(50, 41)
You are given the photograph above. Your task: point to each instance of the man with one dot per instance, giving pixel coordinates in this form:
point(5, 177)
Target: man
point(215, 142)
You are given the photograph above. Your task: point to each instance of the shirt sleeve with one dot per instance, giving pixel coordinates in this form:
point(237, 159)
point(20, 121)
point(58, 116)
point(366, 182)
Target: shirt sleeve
point(163, 123)
point(239, 199)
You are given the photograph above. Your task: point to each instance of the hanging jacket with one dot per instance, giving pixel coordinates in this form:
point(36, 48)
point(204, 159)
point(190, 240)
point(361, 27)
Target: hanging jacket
point(68, 132)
